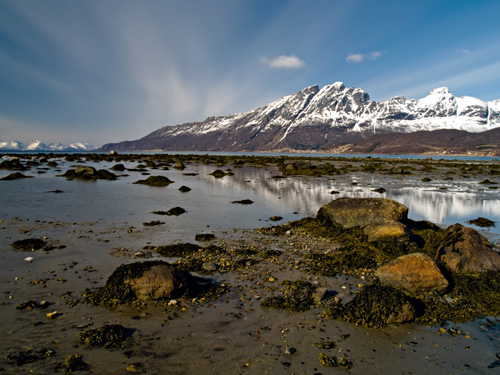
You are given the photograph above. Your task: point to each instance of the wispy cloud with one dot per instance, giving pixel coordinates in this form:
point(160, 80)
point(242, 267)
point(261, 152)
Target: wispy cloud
point(360, 57)
point(462, 51)
point(284, 62)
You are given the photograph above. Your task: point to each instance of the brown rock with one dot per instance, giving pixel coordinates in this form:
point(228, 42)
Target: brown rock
point(159, 282)
point(465, 250)
point(385, 231)
point(352, 212)
point(414, 272)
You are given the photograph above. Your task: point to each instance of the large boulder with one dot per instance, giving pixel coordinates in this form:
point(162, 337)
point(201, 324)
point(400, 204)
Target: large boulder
point(386, 231)
point(352, 212)
point(464, 250)
point(416, 273)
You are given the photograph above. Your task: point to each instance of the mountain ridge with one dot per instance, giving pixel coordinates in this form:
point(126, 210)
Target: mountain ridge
point(321, 119)
point(40, 146)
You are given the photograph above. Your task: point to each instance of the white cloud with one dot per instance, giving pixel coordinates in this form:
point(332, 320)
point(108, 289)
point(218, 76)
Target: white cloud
point(462, 51)
point(355, 58)
point(284, 62)
point(360, 57)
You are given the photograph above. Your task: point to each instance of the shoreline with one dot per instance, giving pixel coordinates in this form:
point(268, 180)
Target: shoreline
point(231, 334)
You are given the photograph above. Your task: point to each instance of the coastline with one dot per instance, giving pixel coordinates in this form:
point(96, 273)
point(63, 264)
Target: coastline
point(231, 334)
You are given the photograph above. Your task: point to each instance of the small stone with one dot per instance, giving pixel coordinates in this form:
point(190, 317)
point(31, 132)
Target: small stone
point(53, 314)
point(209, 266)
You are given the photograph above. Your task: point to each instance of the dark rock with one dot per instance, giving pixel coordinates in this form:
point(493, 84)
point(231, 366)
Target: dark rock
point(15, 176)
point(218, 173)
point(244, 201)
point(184, 189)
point(12, 165)
point(380, 190)
point(177, 250)
point(29, 244)
point(204, 237)
point(482, 222)
point(487, 182)
point(176, 211)
point(84, 172)
point(155, 181)
point(416, 273)
point(276, 218)
point(118, 167)
point(352, 212)
point(153, 223)
point(463, 249)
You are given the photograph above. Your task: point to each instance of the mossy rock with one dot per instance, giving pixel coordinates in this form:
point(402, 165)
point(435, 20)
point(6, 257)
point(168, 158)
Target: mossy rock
point(333, 361)
point(482, 222)
point(29, 244)
point(375, 306)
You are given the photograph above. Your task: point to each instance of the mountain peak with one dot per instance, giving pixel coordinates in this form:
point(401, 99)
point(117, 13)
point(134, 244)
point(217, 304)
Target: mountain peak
point(322, 118)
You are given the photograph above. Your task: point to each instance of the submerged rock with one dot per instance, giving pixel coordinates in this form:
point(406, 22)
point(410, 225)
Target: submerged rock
point(416, 273)
point(184, 189)
point(482, 222)
point(155, 181)
point(463, 249)
point(15, 176)
point(243, 201)
point(83, 172)
point(352, 212)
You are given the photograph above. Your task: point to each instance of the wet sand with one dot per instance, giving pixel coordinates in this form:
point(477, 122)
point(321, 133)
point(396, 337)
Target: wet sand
point(232, 334)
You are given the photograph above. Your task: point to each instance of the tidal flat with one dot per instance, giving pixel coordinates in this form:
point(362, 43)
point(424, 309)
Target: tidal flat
point(83, 215)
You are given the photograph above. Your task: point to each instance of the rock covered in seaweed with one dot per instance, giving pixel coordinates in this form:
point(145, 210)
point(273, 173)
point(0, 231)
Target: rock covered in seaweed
point(361, 212)
point(375, 306)
point(143, 281)
point(416, 273)
point(463, 249)
point(155, 181)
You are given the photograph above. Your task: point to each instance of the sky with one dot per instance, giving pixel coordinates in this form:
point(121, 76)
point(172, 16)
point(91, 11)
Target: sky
point(102, 71)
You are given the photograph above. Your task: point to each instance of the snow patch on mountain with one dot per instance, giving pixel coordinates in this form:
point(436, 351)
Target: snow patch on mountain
point(40, 146)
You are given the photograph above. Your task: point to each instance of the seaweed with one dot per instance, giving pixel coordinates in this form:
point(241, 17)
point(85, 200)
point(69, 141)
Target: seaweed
point(73, 363)
point(375, 306)
point(333, 361)
point(297, 297)
point(29, 244)
point(482, 222)
point(107, 336)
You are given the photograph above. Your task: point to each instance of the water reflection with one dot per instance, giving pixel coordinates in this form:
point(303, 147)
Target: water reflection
point(209, 205)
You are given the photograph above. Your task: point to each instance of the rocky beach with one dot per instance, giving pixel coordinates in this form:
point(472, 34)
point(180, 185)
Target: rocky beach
point(181, 264)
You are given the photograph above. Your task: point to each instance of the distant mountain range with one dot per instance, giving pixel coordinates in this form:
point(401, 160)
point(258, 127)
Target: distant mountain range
point(334, 118)
point(40, 146)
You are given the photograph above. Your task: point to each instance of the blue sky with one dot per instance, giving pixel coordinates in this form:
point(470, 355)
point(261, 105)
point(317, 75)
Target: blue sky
point(103, 71)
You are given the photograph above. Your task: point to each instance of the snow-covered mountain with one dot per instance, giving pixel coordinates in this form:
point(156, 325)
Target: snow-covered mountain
point(40, 146)
point(317, 118)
